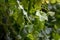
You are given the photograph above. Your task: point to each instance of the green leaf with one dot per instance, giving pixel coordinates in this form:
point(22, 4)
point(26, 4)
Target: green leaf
point(30, 36)
point(58, 1)
point(56, 36)
point(52, 1)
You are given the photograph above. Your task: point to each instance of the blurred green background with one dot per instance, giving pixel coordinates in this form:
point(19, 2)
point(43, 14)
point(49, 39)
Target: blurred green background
point(29, 19)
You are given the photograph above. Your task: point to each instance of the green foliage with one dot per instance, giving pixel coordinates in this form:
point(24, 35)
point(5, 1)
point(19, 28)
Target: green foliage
point(29, 19)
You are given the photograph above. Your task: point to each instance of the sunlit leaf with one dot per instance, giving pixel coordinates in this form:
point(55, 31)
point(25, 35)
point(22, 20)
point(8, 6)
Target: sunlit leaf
point(58, 1)
point(30, 36)
point(52, 1)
